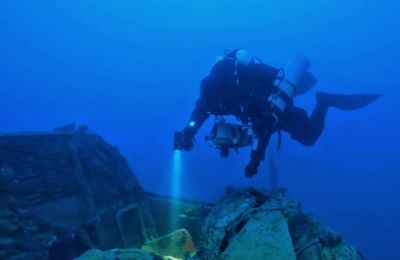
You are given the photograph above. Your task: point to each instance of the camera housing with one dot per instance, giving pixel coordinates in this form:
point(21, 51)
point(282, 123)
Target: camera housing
point(225, 136)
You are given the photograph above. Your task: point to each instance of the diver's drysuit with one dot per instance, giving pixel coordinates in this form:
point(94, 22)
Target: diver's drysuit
point(244, 91)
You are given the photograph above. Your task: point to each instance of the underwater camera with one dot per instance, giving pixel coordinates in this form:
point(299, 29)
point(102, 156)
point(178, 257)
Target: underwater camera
point(225, 136)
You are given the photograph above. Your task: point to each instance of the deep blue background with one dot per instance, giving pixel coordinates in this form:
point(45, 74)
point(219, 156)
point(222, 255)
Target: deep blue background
point(131, 70)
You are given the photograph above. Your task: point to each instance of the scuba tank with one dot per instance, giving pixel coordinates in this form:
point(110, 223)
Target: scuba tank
point(295, 80)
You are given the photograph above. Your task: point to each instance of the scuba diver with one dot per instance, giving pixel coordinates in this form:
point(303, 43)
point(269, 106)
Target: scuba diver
point(261, 98)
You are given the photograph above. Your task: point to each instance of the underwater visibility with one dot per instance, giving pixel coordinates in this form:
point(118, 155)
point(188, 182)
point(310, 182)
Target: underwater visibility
point(199, 129)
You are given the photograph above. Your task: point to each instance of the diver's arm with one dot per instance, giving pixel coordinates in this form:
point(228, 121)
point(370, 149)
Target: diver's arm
point(201, 111)
point(199, 115)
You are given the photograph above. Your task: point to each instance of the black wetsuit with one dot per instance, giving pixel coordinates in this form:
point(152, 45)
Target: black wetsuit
point(243, 91)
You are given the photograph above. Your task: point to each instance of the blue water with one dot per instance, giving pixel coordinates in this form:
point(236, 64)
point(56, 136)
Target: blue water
point(130, 70)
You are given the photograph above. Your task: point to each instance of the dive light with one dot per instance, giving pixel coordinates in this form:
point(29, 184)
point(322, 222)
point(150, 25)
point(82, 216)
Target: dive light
point(178, 140)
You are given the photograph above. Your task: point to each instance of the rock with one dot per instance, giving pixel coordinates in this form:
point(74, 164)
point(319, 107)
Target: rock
point(329, 238)
point(69, 128)
point(8, 222)
point(19, 249)
point(264, 236)
point(120, 254)
point(305, 230)
point(25, 256)
point(223, 221)
point(341, 251)
point(249, 224)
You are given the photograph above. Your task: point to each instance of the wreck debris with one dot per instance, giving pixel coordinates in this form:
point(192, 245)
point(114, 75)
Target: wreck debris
point(62, 190)
point(177, 244)
point(68, 191)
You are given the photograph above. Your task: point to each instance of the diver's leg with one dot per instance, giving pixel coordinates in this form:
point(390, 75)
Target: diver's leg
point(307, 130)
point(315, 124)
point(302, 128)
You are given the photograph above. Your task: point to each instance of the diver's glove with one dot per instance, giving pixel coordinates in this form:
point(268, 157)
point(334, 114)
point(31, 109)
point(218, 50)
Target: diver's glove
point(251, 168)
point(188, 138)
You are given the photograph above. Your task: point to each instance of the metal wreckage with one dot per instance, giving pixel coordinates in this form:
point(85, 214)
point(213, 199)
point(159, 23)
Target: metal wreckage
point(69, 194)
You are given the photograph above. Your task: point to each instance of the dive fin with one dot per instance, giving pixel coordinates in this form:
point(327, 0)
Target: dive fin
point(345, 102)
